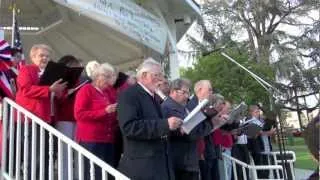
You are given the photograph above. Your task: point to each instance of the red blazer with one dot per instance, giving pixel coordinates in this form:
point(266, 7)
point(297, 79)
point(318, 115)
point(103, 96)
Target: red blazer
point(30, 95)
point(94, 124)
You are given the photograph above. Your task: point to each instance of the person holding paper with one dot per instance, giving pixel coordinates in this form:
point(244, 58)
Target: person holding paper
point(260, 143)
point(95, 114)
point(224, 140)
point(206, 151)
point(36, 98)
point(183, 147)
point(32, 96)
point(144, 129)
point(65, 121)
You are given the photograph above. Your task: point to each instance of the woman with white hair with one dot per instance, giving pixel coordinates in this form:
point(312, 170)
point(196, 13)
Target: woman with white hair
point(90, 67)
point(95, 114)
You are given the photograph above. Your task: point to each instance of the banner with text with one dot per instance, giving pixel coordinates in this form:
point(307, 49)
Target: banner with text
point(125, 17)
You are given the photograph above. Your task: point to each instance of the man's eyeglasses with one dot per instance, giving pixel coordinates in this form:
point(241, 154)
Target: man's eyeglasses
point(181, 91)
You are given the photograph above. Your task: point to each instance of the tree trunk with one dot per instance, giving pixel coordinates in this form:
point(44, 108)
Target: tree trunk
point(264, 43)
point(298, 108)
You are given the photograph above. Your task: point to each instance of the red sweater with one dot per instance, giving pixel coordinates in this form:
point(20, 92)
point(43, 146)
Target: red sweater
point(30, 95)
point(94, 124)
point(222, 138)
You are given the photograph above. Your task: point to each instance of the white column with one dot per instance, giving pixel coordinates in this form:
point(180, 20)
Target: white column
point(168, 21)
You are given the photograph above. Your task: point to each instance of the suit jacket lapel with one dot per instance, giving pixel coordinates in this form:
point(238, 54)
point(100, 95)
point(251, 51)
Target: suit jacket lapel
point(148, 96)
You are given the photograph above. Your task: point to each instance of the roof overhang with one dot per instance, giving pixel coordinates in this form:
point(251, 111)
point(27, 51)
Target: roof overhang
point(76, 30)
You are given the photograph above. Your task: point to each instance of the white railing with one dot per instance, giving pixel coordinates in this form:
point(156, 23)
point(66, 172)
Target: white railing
point(290, 158)
point(18, 123)
point(251, 169)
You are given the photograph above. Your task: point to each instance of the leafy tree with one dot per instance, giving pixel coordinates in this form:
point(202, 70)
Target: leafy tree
point(234, 83)
point(267, 43)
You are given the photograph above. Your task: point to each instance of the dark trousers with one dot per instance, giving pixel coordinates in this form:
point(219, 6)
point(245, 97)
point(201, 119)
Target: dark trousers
point(118, 148)
point(37, 154)
point(241, 152)
point(104, 151)
point(209, 169)
point(260, 159)
point(186, 175)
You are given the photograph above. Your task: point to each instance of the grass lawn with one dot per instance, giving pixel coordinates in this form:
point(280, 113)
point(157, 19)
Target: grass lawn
point(304, 158)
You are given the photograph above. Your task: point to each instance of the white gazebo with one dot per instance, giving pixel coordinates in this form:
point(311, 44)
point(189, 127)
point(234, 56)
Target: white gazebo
point(121, 32)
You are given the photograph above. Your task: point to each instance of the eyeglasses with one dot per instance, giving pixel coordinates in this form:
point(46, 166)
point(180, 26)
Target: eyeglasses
point(156, 75)
point(181, 91)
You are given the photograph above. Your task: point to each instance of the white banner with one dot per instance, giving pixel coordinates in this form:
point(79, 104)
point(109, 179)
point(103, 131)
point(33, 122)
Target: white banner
point(125, 17)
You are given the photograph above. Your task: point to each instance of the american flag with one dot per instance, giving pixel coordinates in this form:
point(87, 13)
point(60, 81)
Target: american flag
point(6, 73)
point(17, 44)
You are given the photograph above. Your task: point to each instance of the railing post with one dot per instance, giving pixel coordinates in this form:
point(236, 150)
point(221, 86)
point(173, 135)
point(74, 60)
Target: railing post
point(34, 151)
point(60, 160)
point(26, 149)
point(70, 163)
point(80, 161)
point(42, 153)
point(51, 149)
point(92, 175)
point(244, 173)
point(4, 137)
point(11, 143)
point(104, 175)
point(18, 146)
point(254, 174)
point(234, 167)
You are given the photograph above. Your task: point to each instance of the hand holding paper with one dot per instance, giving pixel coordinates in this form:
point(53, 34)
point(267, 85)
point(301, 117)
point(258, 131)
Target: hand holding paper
point(194, 117)
point(58, 87)
point(174, 123)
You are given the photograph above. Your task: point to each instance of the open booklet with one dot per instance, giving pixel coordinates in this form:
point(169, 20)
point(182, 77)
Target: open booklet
point(234, 115)
point(250, 129)
point(194, 117)
point(55, 71)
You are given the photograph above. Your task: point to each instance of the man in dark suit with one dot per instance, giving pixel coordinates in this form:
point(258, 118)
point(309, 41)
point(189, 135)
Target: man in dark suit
point(207, 152)
point(183, 146)
point(144, 128)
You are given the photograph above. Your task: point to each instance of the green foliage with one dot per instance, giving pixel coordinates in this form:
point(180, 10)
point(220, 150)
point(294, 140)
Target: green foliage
point(229, 79)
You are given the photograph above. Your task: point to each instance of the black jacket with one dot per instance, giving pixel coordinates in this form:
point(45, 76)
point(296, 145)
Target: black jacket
point(144, 130)
point(184, 147)
point(210, 151)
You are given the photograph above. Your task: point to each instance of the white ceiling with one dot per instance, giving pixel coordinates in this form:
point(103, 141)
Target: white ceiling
point(68, 32)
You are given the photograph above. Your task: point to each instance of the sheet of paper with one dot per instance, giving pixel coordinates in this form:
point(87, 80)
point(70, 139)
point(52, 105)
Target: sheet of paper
point(194, 117)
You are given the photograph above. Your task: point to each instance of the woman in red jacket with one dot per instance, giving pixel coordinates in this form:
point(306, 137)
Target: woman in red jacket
point(36, 98)
point(95, 114)
point(30, 94)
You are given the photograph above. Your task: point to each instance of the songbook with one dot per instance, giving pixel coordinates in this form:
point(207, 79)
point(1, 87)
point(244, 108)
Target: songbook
point(195, 117)
point(235, 115)
point(55, 71)
point(250, 129)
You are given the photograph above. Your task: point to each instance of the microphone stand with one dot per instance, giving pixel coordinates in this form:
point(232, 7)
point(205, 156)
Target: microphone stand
point(272, 91)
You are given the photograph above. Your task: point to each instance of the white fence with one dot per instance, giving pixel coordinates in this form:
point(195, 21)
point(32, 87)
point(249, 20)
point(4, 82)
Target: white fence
point(252, 169)
point(290, 159)
point(22, 158)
